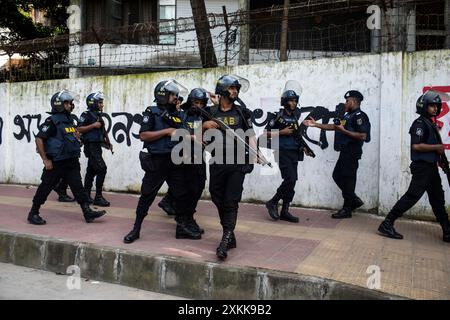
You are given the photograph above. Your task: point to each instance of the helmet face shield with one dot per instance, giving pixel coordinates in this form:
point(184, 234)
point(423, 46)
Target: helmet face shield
point(99, 96)
point(293, 85)
point(175, 87)
point(245, 84)
point(292, 90)
point(164, 88)
point(93, 99)
point(58, 99)
point(227, 81)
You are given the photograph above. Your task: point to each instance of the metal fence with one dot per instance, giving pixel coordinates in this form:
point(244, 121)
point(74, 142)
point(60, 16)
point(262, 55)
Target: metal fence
point(316, 29)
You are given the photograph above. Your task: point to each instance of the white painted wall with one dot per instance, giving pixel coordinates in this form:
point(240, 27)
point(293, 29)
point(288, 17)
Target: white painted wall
point(389, 82)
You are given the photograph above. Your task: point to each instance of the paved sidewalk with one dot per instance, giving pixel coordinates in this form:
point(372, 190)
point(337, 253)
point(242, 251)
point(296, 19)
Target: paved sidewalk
point(416, 267)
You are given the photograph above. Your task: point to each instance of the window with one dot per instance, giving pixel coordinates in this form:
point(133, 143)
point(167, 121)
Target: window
point(167, 16)
point(157, 15)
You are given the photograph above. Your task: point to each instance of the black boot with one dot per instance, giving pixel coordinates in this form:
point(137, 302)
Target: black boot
point(166, 206)
point(272, 207)
point(184, 231)
point(232, 242)
point(342, 214)
point(89, 214)
point(34, 217)
point(222, 249)
point(445, 231)
point(63, 197)
point(285, 215)
point(100, 201)
point(387, 229)
point(357, 202)
point(132, 235)
point(194, 225)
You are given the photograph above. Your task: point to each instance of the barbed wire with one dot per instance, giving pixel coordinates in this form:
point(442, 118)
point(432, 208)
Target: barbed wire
point(140, 47)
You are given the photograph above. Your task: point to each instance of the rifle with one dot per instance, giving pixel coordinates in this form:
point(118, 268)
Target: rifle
point(177, 123)
point(303, 146)
point(443, 161)
point(106, 143)
point(225, 128)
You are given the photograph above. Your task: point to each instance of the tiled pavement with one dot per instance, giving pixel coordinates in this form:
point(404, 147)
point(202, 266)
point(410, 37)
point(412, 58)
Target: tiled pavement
point(416, 267)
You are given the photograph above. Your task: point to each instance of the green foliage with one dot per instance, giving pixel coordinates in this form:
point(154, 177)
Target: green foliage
point(16, 17)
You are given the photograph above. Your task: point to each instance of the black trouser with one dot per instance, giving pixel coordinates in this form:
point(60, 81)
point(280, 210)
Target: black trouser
point(344, 175)
point(69, 170)
point(226, 186)
point(425, 178)
point(196, 179)
point(288, 163)
point(61, 187)
point(162, 170)
point(96, 167)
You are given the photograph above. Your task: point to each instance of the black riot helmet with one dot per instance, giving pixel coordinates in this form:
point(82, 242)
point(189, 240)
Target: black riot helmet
point(198, 94)
point(228, 81)
point(429, 97)
point(166, 87)
point(288, 95)
point(58, 99)
point(93, 99)
point(292, 90)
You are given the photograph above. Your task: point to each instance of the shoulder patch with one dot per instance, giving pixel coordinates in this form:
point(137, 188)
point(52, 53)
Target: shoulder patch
point(44, 128)
point(145, 119)
point(419, 132)
point(359, 121)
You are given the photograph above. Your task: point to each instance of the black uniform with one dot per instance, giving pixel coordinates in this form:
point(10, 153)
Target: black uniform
point(226, 180)
point(425, 174)
point(346, 168)
point(158, 168)
point(63, 148)
point(93, 141)
point(196, 171)
point(289, 154)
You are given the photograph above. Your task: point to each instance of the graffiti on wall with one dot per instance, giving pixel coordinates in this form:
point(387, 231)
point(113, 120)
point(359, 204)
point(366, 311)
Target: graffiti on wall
point(120, 124)
point(443, 120)
point(1, 129)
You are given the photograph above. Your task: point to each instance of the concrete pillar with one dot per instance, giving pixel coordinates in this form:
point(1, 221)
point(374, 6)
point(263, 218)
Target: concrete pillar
point(244, 34)
point(447, 23)
point(411, 31)
point(75, 23)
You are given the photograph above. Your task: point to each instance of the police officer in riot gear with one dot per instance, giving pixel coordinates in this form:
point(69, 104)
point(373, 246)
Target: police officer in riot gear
point(226, 179)
point(197, 98)
point(351, 133)
point(158, 125)
point(61, 187)
point(196, 169)
point(426, 148)
point(59, 149)
point(93, 135)
point(289, 154)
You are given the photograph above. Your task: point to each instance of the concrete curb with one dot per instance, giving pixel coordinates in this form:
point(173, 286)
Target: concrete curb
point(172, 275)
